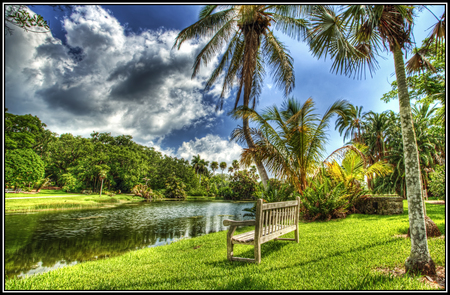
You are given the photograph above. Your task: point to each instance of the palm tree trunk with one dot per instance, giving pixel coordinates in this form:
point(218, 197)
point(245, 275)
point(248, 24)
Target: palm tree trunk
point(251, 48)
point(419, 259)
point(101, 188)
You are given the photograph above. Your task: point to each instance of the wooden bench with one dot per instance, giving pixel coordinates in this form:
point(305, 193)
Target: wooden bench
point(271, 221)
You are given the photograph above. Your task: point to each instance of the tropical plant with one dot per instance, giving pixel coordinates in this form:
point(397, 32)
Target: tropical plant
point(102, 175)
point(214, 166)
point(353, 38)
point(223, 166)
point(250, 44)
point(235, 165)
point(354, 167)
point(144, 191)
point(175, 187)
point(294, 147)
point(244, 185)
point(351, 124)
point(437, 182)
point(200, 166)
point(230, 169)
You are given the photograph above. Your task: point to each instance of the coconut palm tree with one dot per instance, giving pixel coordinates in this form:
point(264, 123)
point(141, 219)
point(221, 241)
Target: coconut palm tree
point(199, 165)
point(250, 45)
point(294, 147)
point(353, 37)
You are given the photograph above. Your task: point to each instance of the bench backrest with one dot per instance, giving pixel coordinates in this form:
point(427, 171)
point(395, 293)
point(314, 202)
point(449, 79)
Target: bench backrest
point(275, 219)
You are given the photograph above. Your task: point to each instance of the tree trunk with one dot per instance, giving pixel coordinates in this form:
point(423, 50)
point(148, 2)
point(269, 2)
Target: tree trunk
point(101, 188)
point(419, 259)
point(250, 51)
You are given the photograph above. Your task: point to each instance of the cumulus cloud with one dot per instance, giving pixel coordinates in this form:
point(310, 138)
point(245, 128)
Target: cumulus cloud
point(105, 79)
point(211, 148)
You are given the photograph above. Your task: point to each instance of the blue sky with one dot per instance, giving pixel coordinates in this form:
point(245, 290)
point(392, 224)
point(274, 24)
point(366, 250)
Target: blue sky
point(111, 68)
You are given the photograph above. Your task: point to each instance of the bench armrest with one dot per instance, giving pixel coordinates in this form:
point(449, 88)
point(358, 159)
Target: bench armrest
point(239, 223)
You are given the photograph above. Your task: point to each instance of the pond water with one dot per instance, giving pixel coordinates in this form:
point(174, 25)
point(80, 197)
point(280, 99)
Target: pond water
point(40, 242)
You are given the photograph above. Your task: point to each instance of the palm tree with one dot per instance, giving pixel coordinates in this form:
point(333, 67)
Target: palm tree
point(375, 126)
point(353, 38)
point(230, 169)
point(235, 165)
point(102, 176)
point(200, 166)
point(250, 44)
point(214, 166)
point(352, 125)
point(294, 148)
point(222, 166)
point(355, 166)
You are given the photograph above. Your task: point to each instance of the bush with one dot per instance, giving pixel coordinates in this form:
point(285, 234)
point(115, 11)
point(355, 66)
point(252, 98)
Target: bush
point(175, 187)
point(200, 191)
point(71, 183)
point(244, 185)
point(276, 191)
point(144, 191)
point(437, 182)
point(226, 192)
point(213, 191)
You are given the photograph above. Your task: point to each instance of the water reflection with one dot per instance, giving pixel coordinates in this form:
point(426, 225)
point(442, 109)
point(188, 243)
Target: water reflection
point(36, 243)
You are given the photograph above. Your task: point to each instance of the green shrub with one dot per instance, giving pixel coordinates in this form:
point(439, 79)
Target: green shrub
point(144, 191)
point(71, 183)
point(175, 187)
point(437, 182)
point(226, 192)
point(244, 185)
point(213, 191)
point(199, 191)
point(277, 191)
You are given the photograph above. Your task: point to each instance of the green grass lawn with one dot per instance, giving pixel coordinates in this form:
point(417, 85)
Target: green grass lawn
point(69, 201)
point(336, 255)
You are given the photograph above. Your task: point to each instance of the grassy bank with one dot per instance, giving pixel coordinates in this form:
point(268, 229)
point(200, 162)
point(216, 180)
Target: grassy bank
point(336, 255)
point(69, 201)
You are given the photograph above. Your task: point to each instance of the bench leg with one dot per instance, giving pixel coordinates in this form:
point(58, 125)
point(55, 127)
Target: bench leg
point(229, 243)
point(258, 253)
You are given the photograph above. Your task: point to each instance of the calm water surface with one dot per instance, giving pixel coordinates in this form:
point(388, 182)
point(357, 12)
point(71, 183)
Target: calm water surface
point(40, 242)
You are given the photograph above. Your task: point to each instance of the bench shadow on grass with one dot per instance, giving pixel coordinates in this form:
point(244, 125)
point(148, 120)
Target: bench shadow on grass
point(368, 281)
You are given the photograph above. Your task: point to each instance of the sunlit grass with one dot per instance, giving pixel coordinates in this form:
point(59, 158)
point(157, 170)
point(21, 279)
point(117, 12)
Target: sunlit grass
point(335, 255)
point(69, 202)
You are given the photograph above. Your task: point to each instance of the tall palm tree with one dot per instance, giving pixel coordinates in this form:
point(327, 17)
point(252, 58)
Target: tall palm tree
point(294, 147)
point(235, 165)
point(375, 125)
point(214, 166)
point(223, 165)
point(230, 169)
point(102, 176)
point(353, 38)
point(251, 44)
point(199, 165)
point(352, 126)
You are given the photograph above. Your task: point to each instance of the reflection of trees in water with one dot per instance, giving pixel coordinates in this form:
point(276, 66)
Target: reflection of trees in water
point(71, 239)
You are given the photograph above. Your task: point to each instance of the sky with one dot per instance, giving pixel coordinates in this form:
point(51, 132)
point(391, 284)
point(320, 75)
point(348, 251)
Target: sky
point(111, 68)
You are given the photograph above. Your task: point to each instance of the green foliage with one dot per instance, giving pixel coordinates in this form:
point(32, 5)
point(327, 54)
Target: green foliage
point(244, 185)
point(70, 183)
point(144, 191)
point(22, 166)
point(17, 15)
point(324, 200)
point(276, 191)
point(226, 192)
point(199, 191)
point(213, 190)
point(175, 187)
point(437, 182)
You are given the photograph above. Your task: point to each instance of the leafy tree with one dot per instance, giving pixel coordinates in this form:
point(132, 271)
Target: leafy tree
point(22, 166)
point(353, 38)
point(70, 183)
point(244, 185)
point(294, 147)
point(230, 169)
point(250, 44)
point(175, 187)
point(437, 182)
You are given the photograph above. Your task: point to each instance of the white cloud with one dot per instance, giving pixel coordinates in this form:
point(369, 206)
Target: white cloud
point(105, 80)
